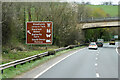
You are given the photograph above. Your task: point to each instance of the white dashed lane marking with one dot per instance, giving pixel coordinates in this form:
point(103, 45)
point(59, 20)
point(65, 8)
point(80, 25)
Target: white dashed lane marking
point(97, 75)
point(96, 64)
point(96, 58)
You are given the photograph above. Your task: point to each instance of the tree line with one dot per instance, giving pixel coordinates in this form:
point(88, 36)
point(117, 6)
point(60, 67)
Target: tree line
point(65, 17)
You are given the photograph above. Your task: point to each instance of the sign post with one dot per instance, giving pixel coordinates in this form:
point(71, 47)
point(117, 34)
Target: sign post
point(39, 32)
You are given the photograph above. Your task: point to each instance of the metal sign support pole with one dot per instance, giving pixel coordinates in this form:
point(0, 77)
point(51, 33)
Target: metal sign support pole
point(46, 46)
point(31, 46)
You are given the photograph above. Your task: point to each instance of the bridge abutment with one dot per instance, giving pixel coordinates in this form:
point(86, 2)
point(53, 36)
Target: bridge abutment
point(81, 34)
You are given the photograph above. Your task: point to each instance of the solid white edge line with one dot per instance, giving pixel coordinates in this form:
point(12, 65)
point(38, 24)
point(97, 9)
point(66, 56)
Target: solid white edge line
point(56, 63)
point(117, 50)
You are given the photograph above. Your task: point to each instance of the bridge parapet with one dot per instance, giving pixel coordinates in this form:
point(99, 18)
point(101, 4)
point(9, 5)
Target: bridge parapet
point(104, 19)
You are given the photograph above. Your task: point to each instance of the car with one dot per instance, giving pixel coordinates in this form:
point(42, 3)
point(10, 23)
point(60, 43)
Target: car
point(100, 40)
point(99, 44)
point(112, 42)
point(93, 45)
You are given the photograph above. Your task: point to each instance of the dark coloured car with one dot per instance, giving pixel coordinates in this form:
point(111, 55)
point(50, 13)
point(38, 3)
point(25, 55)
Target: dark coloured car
point(99, 44)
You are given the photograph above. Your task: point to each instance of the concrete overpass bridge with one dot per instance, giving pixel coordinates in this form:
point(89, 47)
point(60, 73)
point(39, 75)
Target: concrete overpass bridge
point(99, 23)
point(92, 23)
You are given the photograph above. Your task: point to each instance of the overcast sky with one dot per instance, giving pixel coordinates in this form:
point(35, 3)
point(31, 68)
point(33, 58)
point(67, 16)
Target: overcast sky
point(94, 1)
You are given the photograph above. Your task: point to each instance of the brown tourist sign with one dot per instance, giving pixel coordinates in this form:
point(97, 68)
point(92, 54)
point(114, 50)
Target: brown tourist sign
point(39, 32)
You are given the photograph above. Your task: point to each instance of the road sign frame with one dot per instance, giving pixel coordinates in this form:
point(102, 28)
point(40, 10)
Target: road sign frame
point(37, 43)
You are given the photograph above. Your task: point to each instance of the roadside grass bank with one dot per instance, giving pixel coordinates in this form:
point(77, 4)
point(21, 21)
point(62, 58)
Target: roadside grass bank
point(13, 72)
point(111, 10)
point(12, 56)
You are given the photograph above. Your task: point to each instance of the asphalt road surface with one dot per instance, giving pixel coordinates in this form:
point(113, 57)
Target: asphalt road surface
point(85, 63)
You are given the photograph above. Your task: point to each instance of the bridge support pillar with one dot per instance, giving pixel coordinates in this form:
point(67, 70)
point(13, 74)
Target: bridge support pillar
point(82, 36)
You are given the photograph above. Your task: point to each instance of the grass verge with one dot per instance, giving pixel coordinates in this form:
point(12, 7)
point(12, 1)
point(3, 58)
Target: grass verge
point(12, 56)
point(12, 72)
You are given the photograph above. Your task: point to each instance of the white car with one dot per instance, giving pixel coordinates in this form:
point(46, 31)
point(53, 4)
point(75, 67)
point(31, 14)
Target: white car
point(93, 45)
